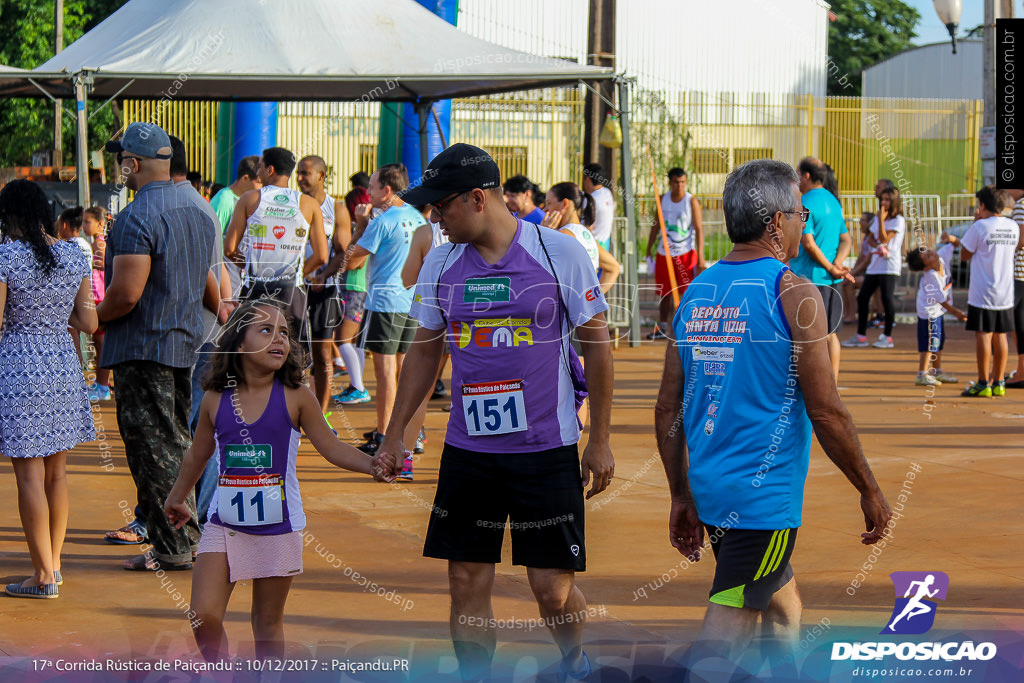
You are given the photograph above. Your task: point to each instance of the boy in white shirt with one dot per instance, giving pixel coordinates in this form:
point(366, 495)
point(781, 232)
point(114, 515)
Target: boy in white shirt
point(989, 245)
point(933, 297)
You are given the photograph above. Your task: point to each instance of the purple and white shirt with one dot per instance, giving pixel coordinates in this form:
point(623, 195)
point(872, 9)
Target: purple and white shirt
point(257, 490)
point(512, 391)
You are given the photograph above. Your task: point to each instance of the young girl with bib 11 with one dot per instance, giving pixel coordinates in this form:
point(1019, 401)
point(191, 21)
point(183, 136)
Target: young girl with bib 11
point(250, 419)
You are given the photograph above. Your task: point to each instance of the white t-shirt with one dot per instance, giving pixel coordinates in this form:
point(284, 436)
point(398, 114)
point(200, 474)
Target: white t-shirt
point(437, 237)
point(83, 244)
point(678, 225)
point(604, 213)
point(945, 253)
point(587, 239)
point(893, 263)
point(992, 242)
point(931, 292)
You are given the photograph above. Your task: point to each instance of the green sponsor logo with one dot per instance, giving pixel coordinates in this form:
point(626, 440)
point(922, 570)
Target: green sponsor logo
point(487, 290)
point(275, 212)
point(249, 457)
point(258, 230)
point(281, 198)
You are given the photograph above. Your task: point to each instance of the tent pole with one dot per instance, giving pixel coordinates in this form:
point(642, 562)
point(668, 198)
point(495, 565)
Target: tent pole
point(82, 128)
point(628, 205)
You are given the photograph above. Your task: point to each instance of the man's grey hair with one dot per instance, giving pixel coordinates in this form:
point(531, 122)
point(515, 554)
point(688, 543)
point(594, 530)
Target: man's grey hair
point(753, 193)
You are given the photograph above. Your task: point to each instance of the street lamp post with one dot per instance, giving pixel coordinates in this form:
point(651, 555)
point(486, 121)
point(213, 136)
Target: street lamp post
point(949, 14)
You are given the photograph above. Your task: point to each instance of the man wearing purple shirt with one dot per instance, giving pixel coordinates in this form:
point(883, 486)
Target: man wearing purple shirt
point(508, 292)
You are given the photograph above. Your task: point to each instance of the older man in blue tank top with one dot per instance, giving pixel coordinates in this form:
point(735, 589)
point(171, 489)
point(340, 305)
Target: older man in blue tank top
point(749, 373)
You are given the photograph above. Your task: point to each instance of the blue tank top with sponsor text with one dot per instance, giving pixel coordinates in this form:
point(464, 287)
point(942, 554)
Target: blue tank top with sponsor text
point(747, 429)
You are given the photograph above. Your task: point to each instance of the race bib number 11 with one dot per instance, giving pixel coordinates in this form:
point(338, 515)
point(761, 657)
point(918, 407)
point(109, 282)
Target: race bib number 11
point(250, 500)
point(494, 407)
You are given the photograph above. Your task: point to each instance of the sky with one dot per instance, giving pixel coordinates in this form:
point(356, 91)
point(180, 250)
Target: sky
point(931, 30)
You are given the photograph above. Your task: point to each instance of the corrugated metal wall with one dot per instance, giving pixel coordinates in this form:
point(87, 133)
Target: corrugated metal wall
point(929, 71)
point(750, 46)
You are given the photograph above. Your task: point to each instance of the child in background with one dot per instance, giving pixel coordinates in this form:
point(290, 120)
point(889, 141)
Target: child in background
point(94, 227)
point(69, 229)
point(933, 298)
point(250, 417)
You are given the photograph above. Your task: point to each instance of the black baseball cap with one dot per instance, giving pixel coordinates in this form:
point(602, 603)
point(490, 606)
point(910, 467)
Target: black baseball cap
point(460, 168)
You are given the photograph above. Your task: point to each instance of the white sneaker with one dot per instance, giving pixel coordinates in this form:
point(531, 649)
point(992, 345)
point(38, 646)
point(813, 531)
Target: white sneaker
point(883, 342)
point(927, 380)
point(856, 341)
point(944, 378)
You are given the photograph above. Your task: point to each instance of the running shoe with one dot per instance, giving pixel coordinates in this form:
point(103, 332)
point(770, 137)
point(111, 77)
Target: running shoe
point(944, 378)
point(999, 389)
point(977, 390)
point(338, 372)
point(352, 396)
point(421, 439)
point(856, 341)
point(98, 392)
point(583, 674)
point(926, 380)
point(877, 321)
point(372, 443)
point(883, 342)
point(439, 390)
point(406, 473)
point(657, 334)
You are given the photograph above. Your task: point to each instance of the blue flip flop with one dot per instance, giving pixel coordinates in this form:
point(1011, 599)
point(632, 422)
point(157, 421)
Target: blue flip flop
point(47, 591)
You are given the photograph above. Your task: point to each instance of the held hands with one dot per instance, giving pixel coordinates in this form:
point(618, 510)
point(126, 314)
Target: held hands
point(391, 452)
point(382, 467)
point(552, 219)
point(177, 512)
point(876, 516)
point(686, 533)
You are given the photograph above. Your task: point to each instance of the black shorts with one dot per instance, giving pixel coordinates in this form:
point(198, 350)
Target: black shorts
point(833, 301)
point(325, 311)
point(386, 333)
point(751, 565)
point(538, 496)
point(287, 293)
point(989, 320)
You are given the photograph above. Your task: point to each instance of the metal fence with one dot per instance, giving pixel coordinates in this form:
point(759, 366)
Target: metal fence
point(928, 146)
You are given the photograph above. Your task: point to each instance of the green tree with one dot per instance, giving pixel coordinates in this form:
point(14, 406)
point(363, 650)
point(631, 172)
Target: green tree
point(26, 125)
point(865, 32)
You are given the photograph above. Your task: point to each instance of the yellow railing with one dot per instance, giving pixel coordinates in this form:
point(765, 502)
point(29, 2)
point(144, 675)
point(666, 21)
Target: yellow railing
point(194, 122)
point(926, 146)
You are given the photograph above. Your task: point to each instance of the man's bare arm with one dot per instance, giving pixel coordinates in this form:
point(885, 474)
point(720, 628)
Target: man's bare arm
point(247, 203)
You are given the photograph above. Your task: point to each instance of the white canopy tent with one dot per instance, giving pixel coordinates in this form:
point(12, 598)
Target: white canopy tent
point(291, 50)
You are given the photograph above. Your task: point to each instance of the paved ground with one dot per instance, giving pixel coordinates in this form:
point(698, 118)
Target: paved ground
point(961, 515)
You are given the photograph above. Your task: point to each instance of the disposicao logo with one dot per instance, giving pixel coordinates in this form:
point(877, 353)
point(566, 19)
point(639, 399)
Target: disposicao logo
point(914, 613)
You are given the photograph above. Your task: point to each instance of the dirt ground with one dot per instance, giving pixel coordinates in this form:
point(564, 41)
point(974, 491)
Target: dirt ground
point(961, 515)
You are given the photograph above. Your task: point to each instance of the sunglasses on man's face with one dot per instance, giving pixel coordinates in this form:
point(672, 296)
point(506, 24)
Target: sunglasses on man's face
point(121, 157)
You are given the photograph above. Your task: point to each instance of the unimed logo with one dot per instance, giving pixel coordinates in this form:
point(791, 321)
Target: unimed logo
point(913, 613)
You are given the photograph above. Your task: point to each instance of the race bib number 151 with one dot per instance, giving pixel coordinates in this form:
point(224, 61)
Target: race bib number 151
point(494, 407)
